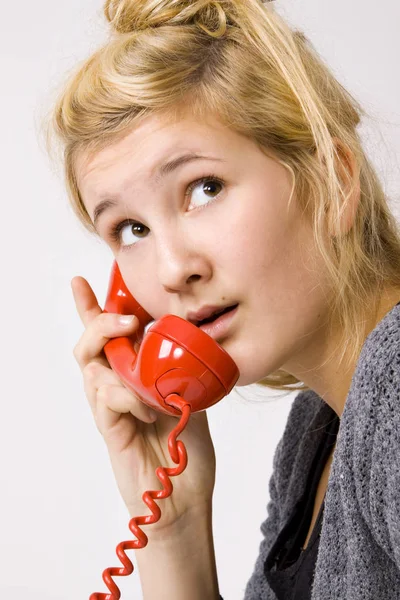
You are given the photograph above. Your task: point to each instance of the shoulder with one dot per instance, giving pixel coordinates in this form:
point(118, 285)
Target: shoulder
point(375, 457)
point(370, 430)
point(374, 392)
point(379, 351)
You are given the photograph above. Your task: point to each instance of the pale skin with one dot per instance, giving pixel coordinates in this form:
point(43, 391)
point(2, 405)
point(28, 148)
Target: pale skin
point(245, 247)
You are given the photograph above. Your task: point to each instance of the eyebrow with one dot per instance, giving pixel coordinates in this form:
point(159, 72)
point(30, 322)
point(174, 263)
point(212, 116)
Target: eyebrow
point(161, 172)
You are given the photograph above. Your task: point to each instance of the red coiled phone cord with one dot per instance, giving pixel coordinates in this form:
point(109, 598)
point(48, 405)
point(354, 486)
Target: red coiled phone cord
point(178, 454)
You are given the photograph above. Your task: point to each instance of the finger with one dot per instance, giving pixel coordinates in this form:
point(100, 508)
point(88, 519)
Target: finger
point(98, 332)
point(98, 378)
point(95, 375)
point(85, 300)
point(114, 401)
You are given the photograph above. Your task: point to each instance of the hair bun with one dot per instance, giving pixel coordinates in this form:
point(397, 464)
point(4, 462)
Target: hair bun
point(127, 16)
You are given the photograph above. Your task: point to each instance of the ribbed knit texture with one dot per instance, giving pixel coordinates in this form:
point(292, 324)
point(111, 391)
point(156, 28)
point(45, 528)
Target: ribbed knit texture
point(359, 547)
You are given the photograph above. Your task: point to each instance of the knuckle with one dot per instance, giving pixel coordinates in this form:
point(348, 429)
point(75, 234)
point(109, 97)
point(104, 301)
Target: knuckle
point(103, 392)
point(102, 320)
point(91, 371)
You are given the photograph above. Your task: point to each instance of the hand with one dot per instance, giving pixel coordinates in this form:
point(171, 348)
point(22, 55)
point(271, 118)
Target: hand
point(136, 445)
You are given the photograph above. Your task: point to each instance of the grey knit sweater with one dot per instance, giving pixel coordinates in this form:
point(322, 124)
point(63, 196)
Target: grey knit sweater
point(359, 546)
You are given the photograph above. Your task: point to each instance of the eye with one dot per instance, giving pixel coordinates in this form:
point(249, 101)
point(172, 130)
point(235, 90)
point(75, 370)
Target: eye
point(128, 232)
point(206, 185)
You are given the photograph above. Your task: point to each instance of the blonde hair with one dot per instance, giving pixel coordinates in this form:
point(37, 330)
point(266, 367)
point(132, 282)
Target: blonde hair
point(239, 60)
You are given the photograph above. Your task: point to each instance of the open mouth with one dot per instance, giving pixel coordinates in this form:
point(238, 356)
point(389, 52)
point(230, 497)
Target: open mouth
point(216, 315)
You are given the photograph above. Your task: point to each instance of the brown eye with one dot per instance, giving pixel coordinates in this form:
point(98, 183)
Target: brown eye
point(127, 233)
point(204, 191)
point(139, 230)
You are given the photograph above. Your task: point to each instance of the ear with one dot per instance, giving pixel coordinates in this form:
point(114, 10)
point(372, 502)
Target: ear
point(348, 172)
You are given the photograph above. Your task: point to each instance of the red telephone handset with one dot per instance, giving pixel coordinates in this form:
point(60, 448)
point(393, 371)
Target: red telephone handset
point(177, 370)
point(175, 356)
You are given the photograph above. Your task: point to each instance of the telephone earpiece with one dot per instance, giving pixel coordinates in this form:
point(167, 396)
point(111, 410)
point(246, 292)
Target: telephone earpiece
point(174, 357)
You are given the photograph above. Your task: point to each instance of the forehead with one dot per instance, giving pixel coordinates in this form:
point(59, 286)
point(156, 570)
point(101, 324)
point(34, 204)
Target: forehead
point(146, 145)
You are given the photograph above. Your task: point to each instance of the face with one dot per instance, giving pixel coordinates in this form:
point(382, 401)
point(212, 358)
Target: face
point(210, 233)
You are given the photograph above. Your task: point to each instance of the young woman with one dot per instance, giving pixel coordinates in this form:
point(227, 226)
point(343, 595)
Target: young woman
point(218, 157)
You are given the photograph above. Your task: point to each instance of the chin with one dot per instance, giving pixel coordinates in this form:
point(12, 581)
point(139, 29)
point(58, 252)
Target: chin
point(246, 378)
point(253, 360)
point(249, 372)
point(252, 369)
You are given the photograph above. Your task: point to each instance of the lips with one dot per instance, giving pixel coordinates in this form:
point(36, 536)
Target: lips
point(207, 314)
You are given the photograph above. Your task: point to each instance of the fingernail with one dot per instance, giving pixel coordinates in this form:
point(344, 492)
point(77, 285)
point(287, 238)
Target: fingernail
point(126, 319)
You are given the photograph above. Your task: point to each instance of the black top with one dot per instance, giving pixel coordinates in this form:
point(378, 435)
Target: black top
point(289, 569)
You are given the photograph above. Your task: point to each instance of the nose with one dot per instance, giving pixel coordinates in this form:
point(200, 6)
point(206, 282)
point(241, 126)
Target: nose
point(181, 263)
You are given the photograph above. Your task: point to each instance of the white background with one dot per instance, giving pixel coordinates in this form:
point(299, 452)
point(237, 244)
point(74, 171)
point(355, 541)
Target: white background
point(61, 515)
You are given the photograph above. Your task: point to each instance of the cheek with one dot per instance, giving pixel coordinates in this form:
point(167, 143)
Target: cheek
point(135, 270)
point(253, 235)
